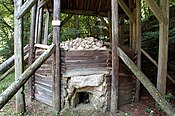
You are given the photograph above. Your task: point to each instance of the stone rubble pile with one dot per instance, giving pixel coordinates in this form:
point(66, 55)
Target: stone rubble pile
point(88, 43)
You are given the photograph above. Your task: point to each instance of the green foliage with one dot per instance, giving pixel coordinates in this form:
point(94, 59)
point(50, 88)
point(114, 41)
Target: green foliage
point(148, 110)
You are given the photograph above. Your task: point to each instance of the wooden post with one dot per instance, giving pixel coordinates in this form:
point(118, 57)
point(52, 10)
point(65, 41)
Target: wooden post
point(56, 39)
point(115, 59)
point(121, 30)
point(46, 29)
point(31, 50)
point(18, 51)
point(76, 25)
point(37, 22)
point(40, 25)
point(163, 48)
point(138, 46)
point(110, 27)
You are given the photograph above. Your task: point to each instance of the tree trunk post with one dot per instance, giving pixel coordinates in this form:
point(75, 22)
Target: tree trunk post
point(115, 59)
point(31, 51)
point(46, 28)
point(40, 25)
point(138, 46)
point(56, 62)
point(18, 51)
point(163, 48)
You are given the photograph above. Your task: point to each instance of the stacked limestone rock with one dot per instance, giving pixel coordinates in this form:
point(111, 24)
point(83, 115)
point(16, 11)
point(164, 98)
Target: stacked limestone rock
point(88, 43)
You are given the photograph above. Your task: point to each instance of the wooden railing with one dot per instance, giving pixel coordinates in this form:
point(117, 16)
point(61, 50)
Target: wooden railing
point(147, 84)
point(12, 90)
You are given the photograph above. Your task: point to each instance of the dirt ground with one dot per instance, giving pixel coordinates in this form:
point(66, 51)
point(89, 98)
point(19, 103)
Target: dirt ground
point(145, 107)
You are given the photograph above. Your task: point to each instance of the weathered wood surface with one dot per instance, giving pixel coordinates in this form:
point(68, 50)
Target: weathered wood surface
point(25, 8)
point(148, 85)
point(46, 27)
point(40, 25)
point(157, 11)
point(57, 57)
point(31, 51)
point(115, 59)
point(9, 61)
point(163, 48)
point(12, 89)
point(18, 52)
point(11, 69)
point(155, 63)
point(127, 10)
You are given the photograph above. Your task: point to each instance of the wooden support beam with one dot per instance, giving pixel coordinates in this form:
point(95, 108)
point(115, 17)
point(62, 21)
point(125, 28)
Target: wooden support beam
point(115, 59)
point(76, 24)
point(85, 12)
point(42, 3)
point(104, 22)
point(147, 84)
point(31, 50)
point(40, 25)
point(163, 48)
point(56, 57)
point(157, 11)
point(126, 10)
point(46, 28)
point(22, 79)
point(25, 8)
point(36, 23)
point(155, 63)
point(18, 51)
point(138, 46)
point(121, 30)
point(41, 46)
point(66, 19)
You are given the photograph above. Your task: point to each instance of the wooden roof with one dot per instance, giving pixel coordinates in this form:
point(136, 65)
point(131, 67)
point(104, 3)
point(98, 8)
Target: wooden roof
point(86, 7)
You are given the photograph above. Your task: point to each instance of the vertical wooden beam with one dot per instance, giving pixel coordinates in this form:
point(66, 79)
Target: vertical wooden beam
point(40, 25)
point(110, 26)
point(121, 30)
point(115, 59)
point(163, 48)
point(56, 39)
point(31, 50)
point(37, 22)
point(18, 51)
point(46, 29)
point(76, 24)
point(138, 46)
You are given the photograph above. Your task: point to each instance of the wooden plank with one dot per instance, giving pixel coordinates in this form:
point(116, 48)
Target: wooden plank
point(163, 48)
point(85, 12)
point(57, 61)
point(147, 84)
point(127, 10)
point(20, 100)
point(44, 99)
point(115, 59)
point(46, 28)
point(25, 8)
point(157, 11)
point(155, 63)
point(42, 3)
point(15, 86)
point(31, 51)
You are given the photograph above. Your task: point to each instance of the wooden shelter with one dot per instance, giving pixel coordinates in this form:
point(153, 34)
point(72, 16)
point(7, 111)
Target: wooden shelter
point(115, 10)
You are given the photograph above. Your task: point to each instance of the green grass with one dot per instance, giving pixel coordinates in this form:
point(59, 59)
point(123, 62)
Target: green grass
point(7, 82)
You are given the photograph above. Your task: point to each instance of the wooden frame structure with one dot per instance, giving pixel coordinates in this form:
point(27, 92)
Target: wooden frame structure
point(112, 11)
